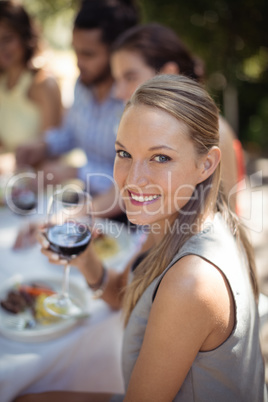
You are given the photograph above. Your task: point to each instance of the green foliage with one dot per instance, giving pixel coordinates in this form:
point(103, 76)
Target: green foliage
point(55, 18)
point(224, 33)
point(47, 9)
point(231, 36)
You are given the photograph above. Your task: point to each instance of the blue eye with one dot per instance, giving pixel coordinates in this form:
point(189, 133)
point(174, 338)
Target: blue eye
point(162, 158)
point(123, 154)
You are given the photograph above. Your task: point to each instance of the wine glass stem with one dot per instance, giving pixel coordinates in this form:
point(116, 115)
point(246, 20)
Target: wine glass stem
point(65, 283)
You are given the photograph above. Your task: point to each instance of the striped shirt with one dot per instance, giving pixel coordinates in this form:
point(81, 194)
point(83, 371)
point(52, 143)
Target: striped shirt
point(92, 127)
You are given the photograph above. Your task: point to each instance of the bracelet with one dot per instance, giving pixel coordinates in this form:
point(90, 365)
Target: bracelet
point(98, 288)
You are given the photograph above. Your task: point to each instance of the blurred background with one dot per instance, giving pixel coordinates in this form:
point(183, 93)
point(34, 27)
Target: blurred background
point(230, 36)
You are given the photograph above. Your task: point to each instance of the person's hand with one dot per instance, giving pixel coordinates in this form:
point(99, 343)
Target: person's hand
point(27, 236)
point(31, 154)
point(87, 262)
point(53, 257)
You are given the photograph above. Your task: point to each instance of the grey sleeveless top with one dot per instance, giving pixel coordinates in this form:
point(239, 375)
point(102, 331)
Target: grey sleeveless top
point(232, 372)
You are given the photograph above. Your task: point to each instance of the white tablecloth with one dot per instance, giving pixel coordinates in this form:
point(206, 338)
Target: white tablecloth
point(85, 359)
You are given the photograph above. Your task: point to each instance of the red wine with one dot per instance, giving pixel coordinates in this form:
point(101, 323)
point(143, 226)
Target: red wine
point(68, 239)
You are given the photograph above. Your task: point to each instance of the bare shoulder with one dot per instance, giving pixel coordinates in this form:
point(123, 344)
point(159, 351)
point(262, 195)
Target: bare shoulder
point(193, 273)
point(45, 92)
point(44, 83)
point(183, 321)
point(198, 289)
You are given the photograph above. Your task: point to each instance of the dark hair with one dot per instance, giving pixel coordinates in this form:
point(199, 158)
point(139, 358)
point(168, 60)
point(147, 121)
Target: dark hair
point(19, 20)
point(112, 16)
point(158, 45)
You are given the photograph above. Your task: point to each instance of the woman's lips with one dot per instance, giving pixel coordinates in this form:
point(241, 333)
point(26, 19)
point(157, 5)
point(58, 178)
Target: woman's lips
point(138, 199)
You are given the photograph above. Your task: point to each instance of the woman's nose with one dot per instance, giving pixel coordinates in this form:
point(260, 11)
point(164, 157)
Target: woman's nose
point(137, 175)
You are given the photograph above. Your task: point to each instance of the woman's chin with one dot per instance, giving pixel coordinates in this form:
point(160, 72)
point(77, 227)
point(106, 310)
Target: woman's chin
point(141, 220)
point(136, 220)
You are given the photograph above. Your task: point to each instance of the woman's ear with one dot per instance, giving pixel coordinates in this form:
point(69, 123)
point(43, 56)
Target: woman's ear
point(170, 68)
point(209, 163)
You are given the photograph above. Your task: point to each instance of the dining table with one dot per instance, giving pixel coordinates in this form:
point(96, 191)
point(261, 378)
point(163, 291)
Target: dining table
point(82, 354)
point(79, 354)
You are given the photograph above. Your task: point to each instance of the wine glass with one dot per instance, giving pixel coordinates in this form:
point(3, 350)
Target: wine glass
point(70, 222)
point(21, 191)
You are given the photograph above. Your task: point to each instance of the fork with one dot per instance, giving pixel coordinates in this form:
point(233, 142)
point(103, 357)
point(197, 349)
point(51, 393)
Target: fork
point(20, 322)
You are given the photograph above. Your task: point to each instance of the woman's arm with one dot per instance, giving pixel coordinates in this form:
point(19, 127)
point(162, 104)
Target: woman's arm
point(191, 313)
point(46, 94)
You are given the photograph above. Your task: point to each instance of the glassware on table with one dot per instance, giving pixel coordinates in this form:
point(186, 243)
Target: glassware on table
point(21, 191)
point(70, 222)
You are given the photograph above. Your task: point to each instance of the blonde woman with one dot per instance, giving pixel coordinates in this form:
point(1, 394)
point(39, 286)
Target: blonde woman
point(146, 50)
point(191, 320)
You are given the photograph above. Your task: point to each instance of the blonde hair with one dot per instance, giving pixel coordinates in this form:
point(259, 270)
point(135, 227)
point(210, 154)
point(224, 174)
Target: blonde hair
point(188, 102)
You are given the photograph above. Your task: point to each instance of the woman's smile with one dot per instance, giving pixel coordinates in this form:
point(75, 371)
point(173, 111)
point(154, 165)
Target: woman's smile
point(142, 199)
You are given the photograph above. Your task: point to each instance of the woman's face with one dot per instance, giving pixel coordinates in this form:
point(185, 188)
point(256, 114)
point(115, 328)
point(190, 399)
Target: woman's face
point(156, 166)
point(12, 51)
point(129, 71)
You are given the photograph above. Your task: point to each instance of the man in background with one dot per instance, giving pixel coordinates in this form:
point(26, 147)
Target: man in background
point(92, 121)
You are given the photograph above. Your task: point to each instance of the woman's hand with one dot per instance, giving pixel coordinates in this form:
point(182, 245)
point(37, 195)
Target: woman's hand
point(91, 267)
point(87, 262)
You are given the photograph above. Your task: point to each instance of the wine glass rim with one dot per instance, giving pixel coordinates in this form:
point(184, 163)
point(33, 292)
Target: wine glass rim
point(82, 197)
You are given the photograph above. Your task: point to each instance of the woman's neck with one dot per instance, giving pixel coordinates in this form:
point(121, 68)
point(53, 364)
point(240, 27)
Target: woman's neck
point(159, 230)
point(13, 75)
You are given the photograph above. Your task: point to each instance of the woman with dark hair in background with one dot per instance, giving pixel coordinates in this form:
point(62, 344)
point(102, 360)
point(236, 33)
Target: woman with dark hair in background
point(30, 99)
point(146, 50)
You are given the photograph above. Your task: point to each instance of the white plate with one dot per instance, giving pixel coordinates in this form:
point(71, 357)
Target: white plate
point(39, 333)
point(125, 241)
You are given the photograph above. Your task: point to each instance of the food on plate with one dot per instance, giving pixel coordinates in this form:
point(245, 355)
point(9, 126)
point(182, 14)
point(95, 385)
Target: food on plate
point(35, 290)
point(105, 246)
point(17, 301)
point(31, 298)
point(41, 314)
